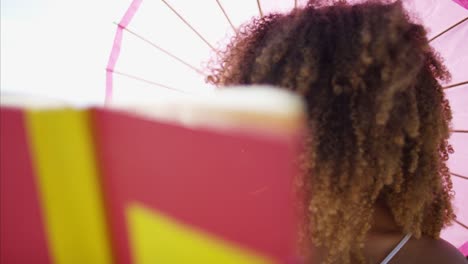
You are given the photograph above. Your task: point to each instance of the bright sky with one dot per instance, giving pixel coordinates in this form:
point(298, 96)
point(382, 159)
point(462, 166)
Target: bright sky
point(57, 49)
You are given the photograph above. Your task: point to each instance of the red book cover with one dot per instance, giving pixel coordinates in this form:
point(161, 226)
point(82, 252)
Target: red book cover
point(22, 231)
point(233, 185)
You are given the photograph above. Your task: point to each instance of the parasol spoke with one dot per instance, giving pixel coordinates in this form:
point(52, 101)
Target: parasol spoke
point(259, 8)
point(448, 29)
point(295, 4)
point(188, 24)
point(459, 131)
point(455, 85)
point(226, 16)
point(459, 176)
point(161, 49)
point(460, 223)
point(146, 81)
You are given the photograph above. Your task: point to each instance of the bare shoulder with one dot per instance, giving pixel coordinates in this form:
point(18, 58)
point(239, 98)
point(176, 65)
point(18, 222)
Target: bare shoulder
point(443, 250)
point(428, 250)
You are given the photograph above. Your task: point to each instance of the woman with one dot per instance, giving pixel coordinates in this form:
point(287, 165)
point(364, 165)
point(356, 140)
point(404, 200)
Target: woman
point(378, 120)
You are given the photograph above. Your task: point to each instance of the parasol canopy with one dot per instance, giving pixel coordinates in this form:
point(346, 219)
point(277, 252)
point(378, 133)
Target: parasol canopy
point(161, 48)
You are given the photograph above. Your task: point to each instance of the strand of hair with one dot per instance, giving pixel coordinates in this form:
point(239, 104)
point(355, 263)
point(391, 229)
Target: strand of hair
point(188, 24)
point(459, 176)
point(459, 131)
point(455, 85)
point(461, 224)
point(226, 16)
point(448, 29)
point(146, 81)
point(259, 8)
point(161, 49)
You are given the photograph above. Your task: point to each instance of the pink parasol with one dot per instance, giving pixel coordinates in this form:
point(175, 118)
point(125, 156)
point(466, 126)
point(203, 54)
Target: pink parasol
point(165, 44)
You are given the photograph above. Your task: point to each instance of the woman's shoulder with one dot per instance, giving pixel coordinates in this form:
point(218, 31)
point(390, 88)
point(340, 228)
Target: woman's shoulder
point(428, 250)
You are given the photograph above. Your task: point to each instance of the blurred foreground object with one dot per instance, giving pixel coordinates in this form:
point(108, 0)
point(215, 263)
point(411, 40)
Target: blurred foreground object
point(204, 180)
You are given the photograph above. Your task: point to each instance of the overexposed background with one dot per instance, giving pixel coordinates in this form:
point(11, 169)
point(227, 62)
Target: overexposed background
point(57, 49)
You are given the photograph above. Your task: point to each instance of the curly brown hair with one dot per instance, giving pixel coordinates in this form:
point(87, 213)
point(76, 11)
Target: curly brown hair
point(378, 117)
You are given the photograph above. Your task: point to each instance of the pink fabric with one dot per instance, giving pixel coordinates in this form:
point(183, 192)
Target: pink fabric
point(463, 3)
point(115, 52)
point(464, 249)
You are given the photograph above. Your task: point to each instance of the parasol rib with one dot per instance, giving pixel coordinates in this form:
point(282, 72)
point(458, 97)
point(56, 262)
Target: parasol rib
point(162, 50)
point(259, 8)
point(115, 52)
point(459, 131)
point(448, 29)
point(459, 176)
point(455, 85)
point(145, 80)
point(226, 16)
point(188, 24)
point(295, 4)
point(460, 223)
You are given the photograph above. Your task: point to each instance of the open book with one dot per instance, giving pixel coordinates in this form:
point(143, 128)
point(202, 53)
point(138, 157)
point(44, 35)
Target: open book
point(203, 179)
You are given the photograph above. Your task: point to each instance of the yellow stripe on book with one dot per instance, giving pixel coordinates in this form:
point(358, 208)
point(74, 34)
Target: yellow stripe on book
point(62, 150)
point(160, 239)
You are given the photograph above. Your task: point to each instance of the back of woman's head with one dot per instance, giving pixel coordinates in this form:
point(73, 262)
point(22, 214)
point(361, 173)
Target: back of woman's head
point(378, 118)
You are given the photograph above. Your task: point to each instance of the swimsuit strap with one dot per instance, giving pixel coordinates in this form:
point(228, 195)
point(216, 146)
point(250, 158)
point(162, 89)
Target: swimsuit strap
point(396, 249)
